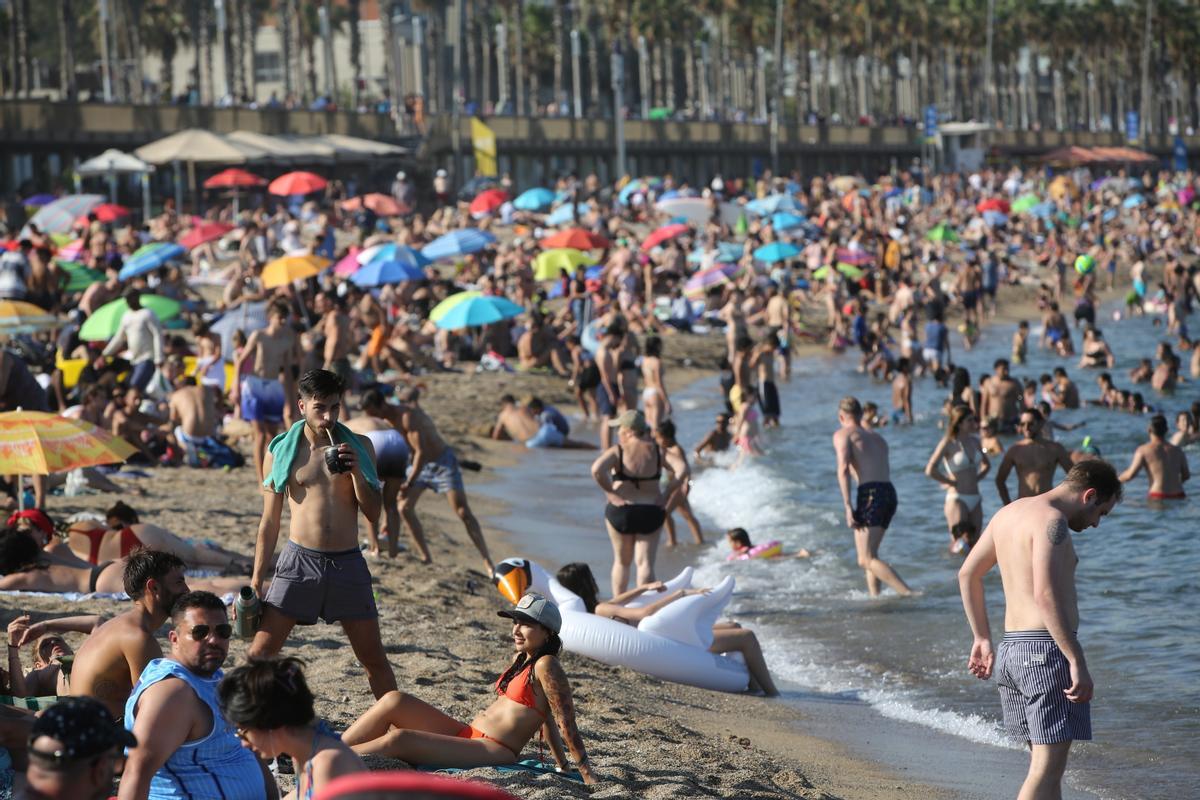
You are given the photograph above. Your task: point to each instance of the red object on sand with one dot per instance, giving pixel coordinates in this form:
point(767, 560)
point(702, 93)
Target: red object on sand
point(204, 232)
point(233, 179)
point(297, 183)
point(402, 784)
point(488, 201)
point(994, 204)
point(577, 238)
point(663, 234)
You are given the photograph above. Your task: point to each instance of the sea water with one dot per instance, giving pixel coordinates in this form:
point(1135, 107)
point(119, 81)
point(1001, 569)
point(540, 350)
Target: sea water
point(906, 658)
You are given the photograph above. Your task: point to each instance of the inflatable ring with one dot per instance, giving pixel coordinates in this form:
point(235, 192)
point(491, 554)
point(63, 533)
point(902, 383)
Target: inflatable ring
point(771, 549)
point(671, 645)
point(1084, 264)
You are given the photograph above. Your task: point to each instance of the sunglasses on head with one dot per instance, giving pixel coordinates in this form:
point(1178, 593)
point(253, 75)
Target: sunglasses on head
point(202, 632)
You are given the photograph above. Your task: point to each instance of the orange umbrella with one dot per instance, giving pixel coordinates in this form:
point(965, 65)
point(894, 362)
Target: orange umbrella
point(297, 183)
point(576, 238)
point(283, 271)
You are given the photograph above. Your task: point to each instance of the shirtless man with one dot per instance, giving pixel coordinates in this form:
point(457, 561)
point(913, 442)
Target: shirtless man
point(608, 393)
point(46, 678)
point(194, 415)
point(111, 659)
point(434, 466)
point(262, 394)
point(514, 421)
point(334, 331)
point(320, 572)
point(778, 317)
point(863, 454)
point(735, 322)
point(1002, 397)
point(762, 360)
point(717, 440)
point(1166, 463)
point(391, 462)
point(1034, 457)
point(537, 347)
point(1044, 683)
point(1066, 393)
point(902, 392)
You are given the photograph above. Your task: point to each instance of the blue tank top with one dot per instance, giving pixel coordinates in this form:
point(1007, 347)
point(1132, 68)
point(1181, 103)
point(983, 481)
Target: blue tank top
point(216, 766)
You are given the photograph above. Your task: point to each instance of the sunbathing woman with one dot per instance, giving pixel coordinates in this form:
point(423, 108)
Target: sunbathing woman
point(728, 637)
point(534, 686)
point(25, 566)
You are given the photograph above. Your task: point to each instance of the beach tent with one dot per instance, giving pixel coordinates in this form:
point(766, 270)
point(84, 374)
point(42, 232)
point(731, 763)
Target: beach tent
point(284, 151)
point(194, 146)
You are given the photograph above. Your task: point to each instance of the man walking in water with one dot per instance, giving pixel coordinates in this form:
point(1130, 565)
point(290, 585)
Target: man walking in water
point(1166, 463)
point(1044, 683)
point(1034, 458)
point(864, 454)
point(327, 472)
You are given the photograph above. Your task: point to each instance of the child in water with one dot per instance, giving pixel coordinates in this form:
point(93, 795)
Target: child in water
point(740, 545)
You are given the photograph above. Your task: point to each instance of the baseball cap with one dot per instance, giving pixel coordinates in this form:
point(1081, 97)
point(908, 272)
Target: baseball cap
point(633, 420)
point(533, 607)
point(83, 726)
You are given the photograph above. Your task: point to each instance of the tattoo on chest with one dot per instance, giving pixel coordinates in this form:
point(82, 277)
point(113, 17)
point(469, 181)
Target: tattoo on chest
point(1057, 531)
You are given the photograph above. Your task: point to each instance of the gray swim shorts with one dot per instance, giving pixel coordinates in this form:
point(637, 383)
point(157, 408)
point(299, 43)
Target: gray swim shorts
point(442, 475)
point(1032, 674)
point(335, 587)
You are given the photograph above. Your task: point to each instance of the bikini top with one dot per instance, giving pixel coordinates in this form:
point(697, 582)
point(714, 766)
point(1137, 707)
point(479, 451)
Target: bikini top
point(619, 474)
point(961, 461)
point(520, 689)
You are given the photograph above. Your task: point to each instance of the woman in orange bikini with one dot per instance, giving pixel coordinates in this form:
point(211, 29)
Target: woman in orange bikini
point(534, 686)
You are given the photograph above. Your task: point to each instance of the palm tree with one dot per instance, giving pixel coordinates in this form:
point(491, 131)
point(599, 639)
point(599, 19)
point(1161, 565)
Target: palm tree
point(309, 28)
point(558, 26)
point(519, 32)
point(352, 20)
point(21, 10)
point(164, 29)
point(287, 19)
point(204, 45)
point(66, 49)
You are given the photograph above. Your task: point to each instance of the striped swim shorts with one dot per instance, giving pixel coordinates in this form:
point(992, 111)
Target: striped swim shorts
point(1032, 674)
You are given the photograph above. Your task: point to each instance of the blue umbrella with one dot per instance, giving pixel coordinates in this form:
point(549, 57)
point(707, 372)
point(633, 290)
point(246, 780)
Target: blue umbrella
point(593, 273)
point(402, 253)
point(562, 214)
point(1044, 210)
point(994, 219)
point(785, 221)
point(150, 258)
point(457, 243)
point(1133, 200)
point(670, 194)
point(382, 272)
point(534, 199)
point(770, 205)
point(477, 311)
point(776, 251)
point(628, 190)
point(727, 253)
point(1109, 215)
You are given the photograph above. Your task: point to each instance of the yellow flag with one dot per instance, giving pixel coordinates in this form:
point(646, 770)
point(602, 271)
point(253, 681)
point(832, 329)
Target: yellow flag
point(483, 139)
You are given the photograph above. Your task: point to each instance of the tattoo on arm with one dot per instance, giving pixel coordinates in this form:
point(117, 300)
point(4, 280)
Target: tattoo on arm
point(558, 693)
point(1057, 531)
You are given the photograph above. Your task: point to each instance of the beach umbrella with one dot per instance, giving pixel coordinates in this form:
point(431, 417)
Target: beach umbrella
point(1133, 200)
point(109, 212)
point(71, 250)
point(847, 183)
point(17, 316)
point(995, 219)
point(993, 204)
point(941, 232)
point(776, 251)
point(772, 204)
point(38, 200)
point(383, 271)
point(149, 258)
point(534, 199)
point(1025, 203)
point(458, 243)
point(247, 318)
point(577, 238)
point(234, 178)
point(203, 233)
point(849, 270)
point(548, 263)
point(637, 186)
point(488, 201)
point(698, 285)
point(60, 216)
point(105, 320)
point(299, 182)
point(857, 258)
point(39, 443)
point(392, 251)
point(663, 234)
point(697, 210)
point(785, 221)
point(79, 277)
point(472, 312)
point(727, 252)
point(283, 271)
point(349, 263)
point(382, 204)
point(562, 215)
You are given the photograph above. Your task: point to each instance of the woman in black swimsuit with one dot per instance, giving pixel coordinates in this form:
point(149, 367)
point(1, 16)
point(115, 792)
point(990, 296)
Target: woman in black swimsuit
point(629, 474)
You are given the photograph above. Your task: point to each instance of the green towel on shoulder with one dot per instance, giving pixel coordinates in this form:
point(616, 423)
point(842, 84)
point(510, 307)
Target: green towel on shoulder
point(283, 450)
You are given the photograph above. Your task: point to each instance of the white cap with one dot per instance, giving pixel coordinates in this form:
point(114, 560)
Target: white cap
point(441, 173)
point(401, 175)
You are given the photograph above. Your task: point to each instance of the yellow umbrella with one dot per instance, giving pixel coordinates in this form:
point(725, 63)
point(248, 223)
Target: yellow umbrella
point(38, 443)
point(548, 263)
point(283, 271)
point(17, 316)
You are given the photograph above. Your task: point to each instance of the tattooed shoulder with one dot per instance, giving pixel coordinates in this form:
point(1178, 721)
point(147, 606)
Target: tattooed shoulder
point(1057, 531)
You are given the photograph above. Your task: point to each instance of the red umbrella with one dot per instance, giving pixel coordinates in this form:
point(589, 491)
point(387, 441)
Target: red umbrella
point(382, 204)
point(233, 179)
point(577, 238)
point(108, 212)
point(204, 232)
point(994, 204)
point(297, 183)
point(663, 234)
point(488, 201)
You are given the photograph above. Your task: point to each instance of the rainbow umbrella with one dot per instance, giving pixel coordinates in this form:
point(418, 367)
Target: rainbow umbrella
point(17, 316)
point(38, 200)
point(105, 320)
point(548, 263)
point(60, 216)
point(283, 271)
point(698, 285)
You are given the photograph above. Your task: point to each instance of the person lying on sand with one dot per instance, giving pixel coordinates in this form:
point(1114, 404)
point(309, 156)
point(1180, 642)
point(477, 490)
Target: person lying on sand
point(532, 688)
point(728, 637)
point(50, 651)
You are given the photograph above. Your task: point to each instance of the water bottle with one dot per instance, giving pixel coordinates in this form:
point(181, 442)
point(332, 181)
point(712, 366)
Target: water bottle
point(247, 611)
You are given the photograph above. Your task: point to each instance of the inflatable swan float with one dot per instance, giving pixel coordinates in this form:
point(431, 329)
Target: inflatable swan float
point(672, 644)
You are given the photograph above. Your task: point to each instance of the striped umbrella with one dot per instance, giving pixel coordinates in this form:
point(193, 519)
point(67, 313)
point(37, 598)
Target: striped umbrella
point(17, 316)
point(59, 216)
point(699, 284)
point(149, 258)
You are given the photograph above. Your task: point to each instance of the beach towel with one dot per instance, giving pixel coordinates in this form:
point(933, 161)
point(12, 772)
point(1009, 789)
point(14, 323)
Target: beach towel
point(283, 449)
point(530, 765)
point(28, 703)
point(76, 597)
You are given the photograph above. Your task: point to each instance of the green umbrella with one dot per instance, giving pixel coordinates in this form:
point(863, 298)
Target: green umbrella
point(662, 112)
point(942, 233)
point(79, 277)
point(849, 270)
point(104, 322)
point(1024, 203)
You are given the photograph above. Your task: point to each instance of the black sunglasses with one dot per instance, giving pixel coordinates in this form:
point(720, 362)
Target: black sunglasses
point(201, 632)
